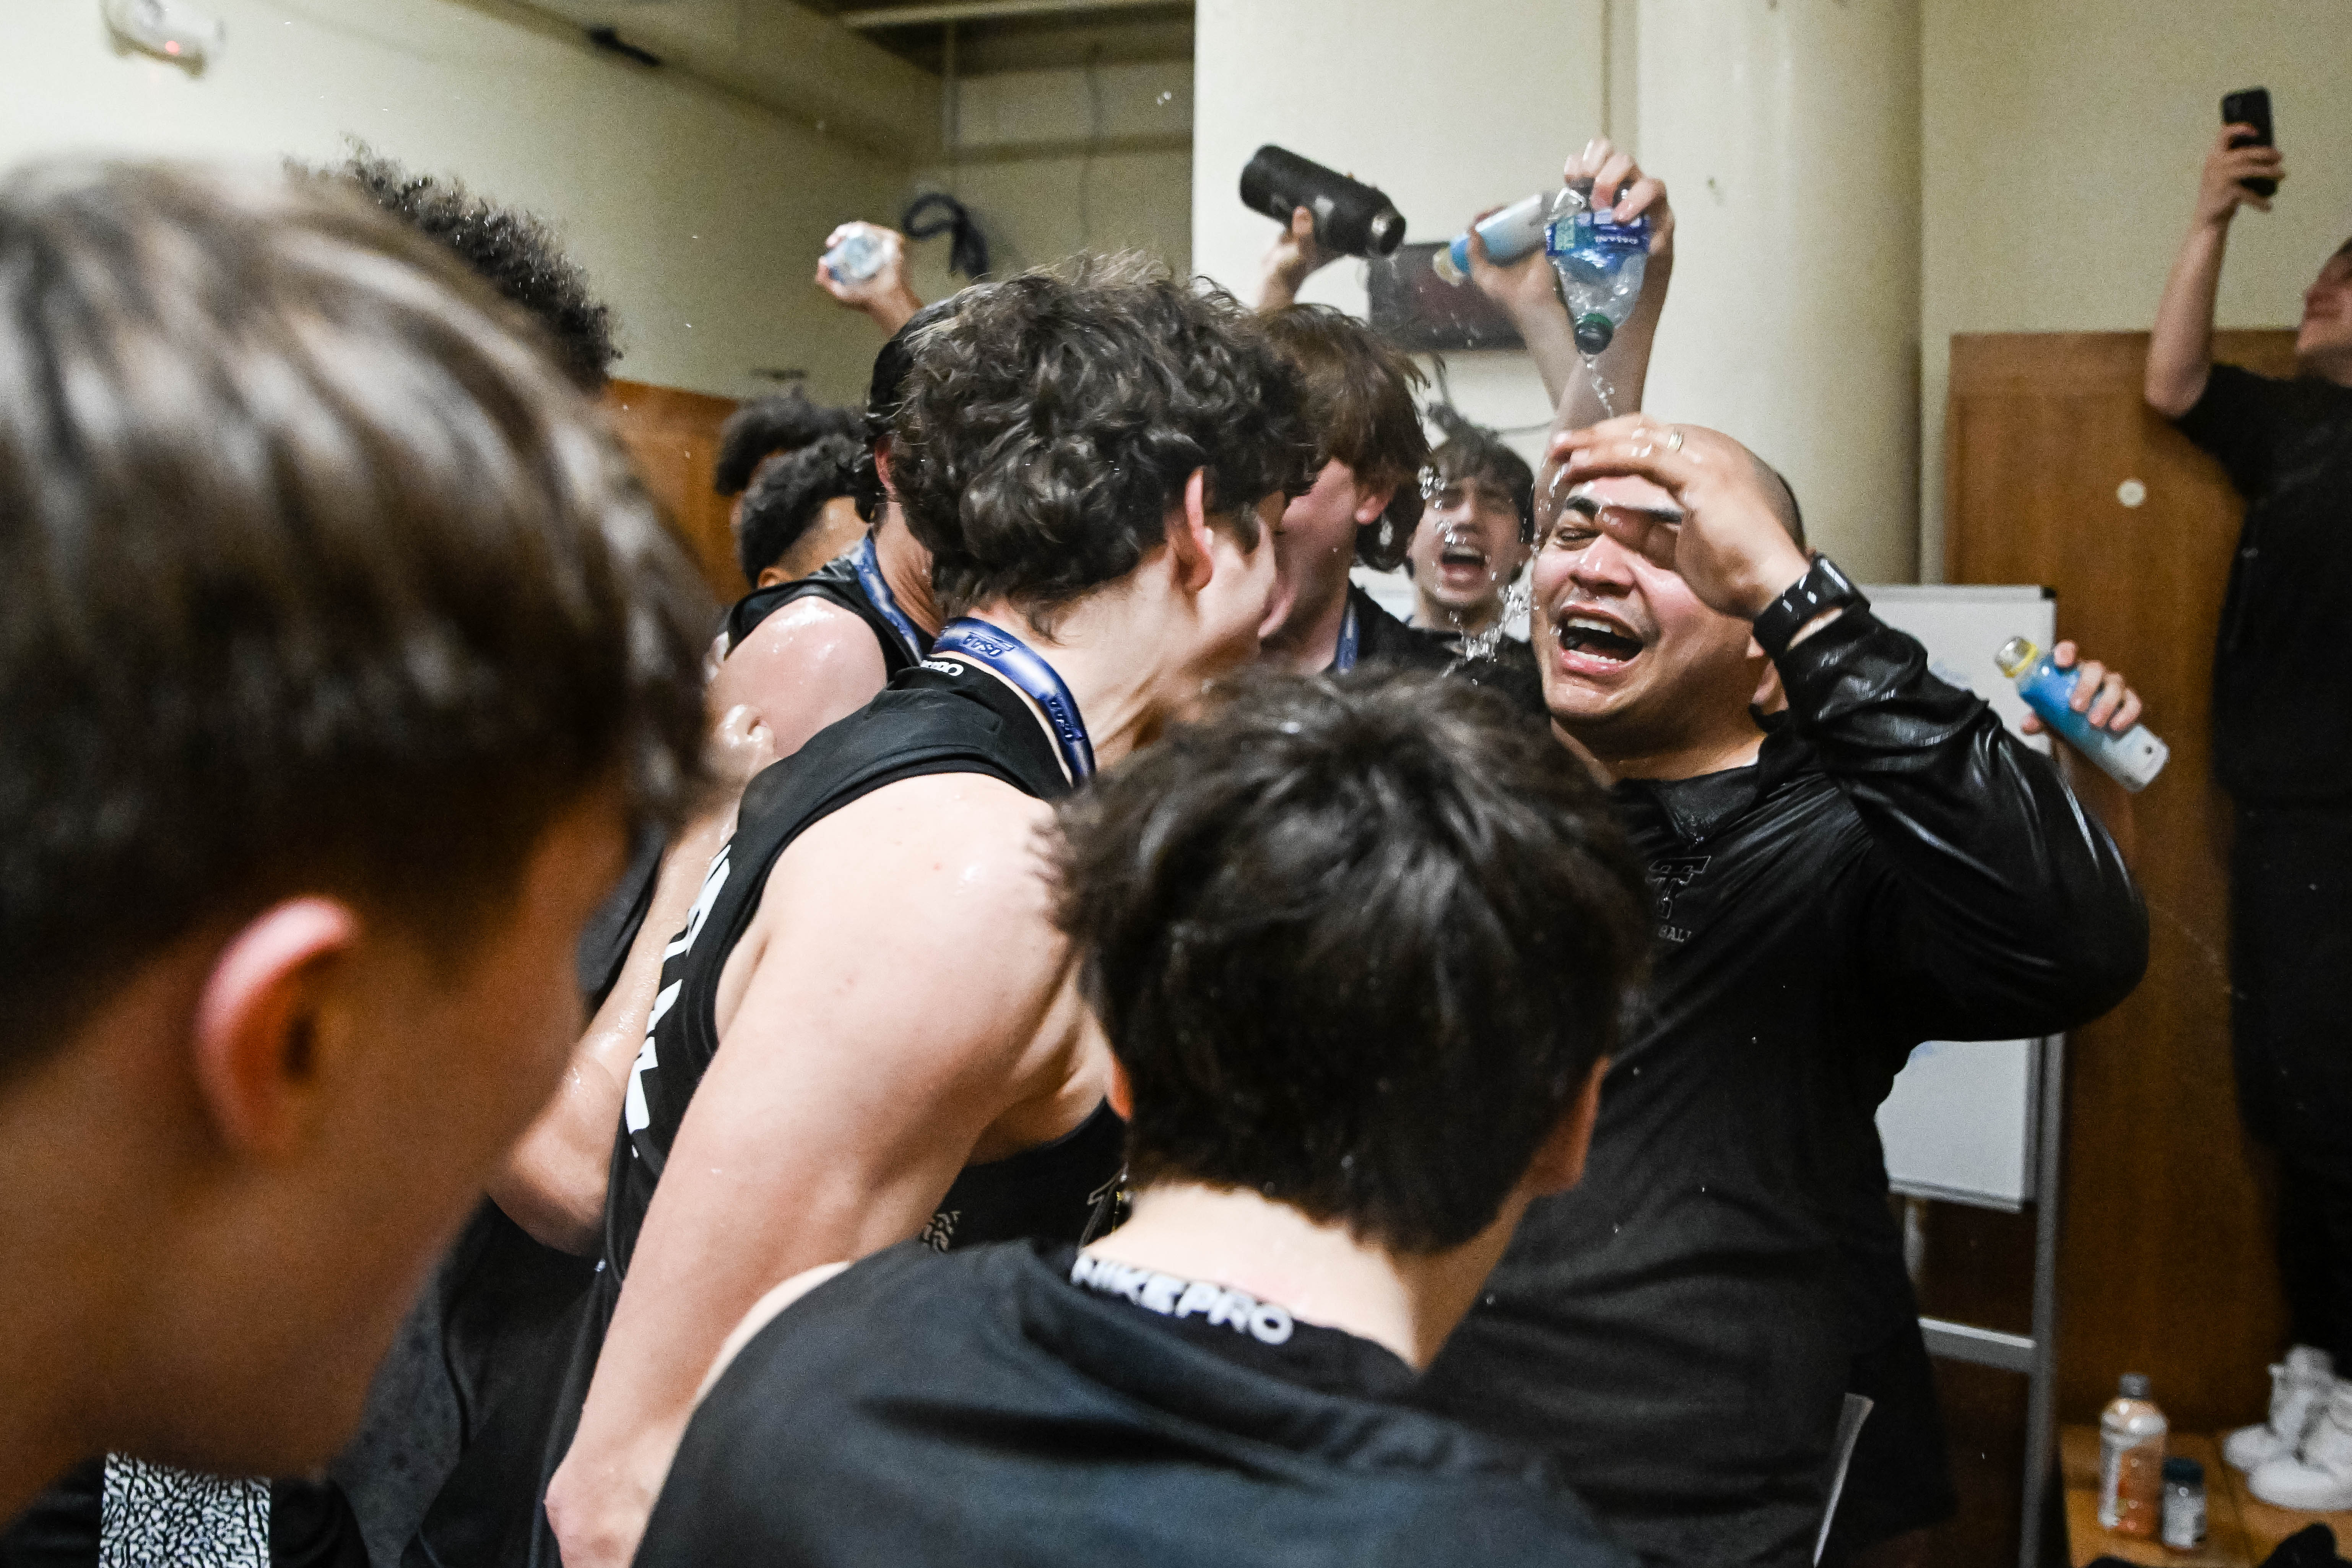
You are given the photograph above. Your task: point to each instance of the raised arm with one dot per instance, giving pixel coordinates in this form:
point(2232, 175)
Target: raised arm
point(874, 1022)
point(1293, 256)
point(2181, 346)
point(1527, 293)
point(886, 297)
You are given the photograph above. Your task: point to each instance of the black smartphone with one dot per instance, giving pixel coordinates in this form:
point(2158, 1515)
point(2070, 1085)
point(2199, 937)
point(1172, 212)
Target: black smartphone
point(2252, 107)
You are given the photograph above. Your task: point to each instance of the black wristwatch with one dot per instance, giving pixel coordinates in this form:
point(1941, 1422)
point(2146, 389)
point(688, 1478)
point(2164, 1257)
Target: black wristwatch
point(1822, 587)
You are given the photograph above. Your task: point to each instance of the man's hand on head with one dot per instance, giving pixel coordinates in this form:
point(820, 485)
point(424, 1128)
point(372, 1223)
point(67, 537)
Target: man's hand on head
point(1294, 255)
point(2218, 194)
point(1730, 544)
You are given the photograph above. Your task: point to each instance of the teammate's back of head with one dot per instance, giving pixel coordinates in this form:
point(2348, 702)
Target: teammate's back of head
point(1051, 421)
point(1357, 944)
point(338, 648)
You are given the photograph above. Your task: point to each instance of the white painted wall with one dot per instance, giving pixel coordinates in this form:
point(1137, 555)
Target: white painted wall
point(697, 215)
point(1449, 111)
point(2063, 142)
point(1056, 162)
point(1788, 134)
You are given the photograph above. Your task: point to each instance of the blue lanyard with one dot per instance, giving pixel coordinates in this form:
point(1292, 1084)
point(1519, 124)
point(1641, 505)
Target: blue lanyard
point(1019, 663)
point(1344, 659)
point(870, 577)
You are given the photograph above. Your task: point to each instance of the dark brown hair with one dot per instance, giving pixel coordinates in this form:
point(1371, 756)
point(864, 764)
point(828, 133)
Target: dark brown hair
point(1475, 452)
point(1051, 420)
point(319, 575)
point(1360, 405)
point(1358, 943)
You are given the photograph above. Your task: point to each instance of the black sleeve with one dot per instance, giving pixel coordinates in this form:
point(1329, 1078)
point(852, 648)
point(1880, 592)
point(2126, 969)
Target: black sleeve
point(1989, 904)
point(2239, 418)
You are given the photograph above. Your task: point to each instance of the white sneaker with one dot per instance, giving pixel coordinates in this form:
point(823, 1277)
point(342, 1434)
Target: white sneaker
point(2319, 1475)
point(2299, 1389)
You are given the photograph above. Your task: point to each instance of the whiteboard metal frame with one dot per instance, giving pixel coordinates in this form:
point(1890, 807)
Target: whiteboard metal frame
point(2035, 1354)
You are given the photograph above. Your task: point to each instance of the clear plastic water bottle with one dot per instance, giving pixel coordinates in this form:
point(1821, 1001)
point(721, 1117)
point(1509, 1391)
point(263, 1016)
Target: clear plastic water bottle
point(1516, 231)
point(1600, 262)
point(859, 256)
point(2131, 1460)
point(2132, 759)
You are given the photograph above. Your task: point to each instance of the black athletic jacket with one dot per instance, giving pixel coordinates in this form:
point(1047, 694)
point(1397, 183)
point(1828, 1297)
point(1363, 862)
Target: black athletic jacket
point(1895, 868)
point(979, 1409)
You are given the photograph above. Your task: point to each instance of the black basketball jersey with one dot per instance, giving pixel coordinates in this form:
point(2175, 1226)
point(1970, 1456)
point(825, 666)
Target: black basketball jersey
point(837, 583)
point(941, 716)
point(606, 942)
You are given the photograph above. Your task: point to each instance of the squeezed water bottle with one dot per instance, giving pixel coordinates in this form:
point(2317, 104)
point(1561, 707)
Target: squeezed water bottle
point(2132, 759)
point(1600, 262)
point(1516, 231)
point(858, 257)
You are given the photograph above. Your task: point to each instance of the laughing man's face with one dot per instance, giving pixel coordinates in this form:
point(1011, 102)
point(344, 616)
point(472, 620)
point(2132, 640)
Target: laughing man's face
point(1631, 659)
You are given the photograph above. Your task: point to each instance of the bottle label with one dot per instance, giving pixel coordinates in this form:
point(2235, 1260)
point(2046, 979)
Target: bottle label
point(2184, 1517)
point(1566, 235)
point(2131, 1484)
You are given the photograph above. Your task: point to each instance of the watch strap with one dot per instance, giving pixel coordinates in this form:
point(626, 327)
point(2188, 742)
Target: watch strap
point(1822, 587)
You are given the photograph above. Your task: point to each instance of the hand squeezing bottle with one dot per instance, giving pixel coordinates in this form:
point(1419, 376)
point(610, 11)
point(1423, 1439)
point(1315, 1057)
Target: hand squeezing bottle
point(1516, 231)
point(1600, 261)
point(2132, 759)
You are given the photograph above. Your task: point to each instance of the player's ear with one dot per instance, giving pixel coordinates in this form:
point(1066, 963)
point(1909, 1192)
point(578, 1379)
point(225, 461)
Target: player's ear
point(1191, 548)
point(1120, 1092)
point(260, 1021)
point(1371, 501)
point(1559, 1164)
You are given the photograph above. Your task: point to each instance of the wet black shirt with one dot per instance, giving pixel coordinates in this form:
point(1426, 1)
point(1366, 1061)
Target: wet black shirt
point(2282, 688)
point(1895, 868)
point(981, 1407)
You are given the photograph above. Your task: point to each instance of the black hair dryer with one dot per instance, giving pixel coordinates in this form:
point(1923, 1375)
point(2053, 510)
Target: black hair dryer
point(1351, 218)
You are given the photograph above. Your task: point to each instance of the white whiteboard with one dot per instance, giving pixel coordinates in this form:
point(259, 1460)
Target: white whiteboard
point(1961, 1123)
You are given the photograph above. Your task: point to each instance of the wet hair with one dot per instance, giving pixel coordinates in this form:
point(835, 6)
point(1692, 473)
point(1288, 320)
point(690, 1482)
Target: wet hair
point(1360, 404)
point(1051, 420)
point(765, 426)
point(516, 252)
point(1358, 943)
point(321, 577)
point(784, 502)
point(1476, 453)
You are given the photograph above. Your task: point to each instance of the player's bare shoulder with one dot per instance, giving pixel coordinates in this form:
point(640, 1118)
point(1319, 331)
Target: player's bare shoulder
point(810, 655)
point(952, 867)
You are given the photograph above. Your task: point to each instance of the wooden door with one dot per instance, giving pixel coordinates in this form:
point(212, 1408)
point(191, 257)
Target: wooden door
point(2166, 1258)
point(673, 435)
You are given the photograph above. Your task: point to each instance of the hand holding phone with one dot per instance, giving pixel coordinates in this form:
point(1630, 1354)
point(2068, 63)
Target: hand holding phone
point(2251, 108)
